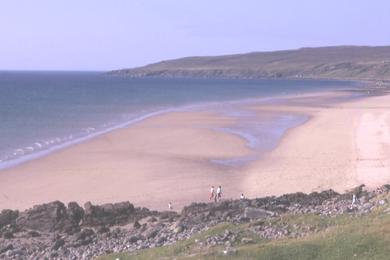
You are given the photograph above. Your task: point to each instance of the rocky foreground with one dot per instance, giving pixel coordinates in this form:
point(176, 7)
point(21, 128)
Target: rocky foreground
point(56, 231)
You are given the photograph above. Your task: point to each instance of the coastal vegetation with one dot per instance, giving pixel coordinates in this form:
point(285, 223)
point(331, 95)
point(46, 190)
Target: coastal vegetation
point(340, 237)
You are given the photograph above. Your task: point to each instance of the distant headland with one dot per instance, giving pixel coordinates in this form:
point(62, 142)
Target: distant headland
point(336, 62)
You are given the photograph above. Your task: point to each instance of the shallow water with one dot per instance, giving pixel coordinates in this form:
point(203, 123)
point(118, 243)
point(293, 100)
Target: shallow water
point(41, 112)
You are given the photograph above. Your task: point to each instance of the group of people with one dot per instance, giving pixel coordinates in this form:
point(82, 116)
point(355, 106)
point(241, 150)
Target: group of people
point(215, 195)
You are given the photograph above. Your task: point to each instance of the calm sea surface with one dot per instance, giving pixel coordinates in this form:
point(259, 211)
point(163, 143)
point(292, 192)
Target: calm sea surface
point(44, 111)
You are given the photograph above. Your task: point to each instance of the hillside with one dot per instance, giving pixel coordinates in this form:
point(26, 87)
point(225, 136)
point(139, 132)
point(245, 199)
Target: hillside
point(340, 62)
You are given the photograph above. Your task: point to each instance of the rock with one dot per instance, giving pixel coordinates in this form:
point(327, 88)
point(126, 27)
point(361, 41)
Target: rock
point(161, 239)
point(5, 248)
point(108, 214)
point(134, 239)
point(14, 253)
point(33, 233)
point(178, 229)
point(136, 225)
point(256, 213)
point(58, 243)
point(152, 232)
point(229, 251)
point(8, 235)
point(85, 234)
point(46, 217)
point(103, 229)
point(83, 238)
point(75, 212)
point(152, 219)
point(8, 217)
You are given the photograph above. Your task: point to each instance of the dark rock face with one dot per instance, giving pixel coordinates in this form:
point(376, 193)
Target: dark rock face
point(108, 214)
point(46, 217)
point(75, 212)
point(8, 217)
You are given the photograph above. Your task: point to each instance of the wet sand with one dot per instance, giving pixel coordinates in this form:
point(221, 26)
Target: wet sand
point(167, 158)
point(342, 146)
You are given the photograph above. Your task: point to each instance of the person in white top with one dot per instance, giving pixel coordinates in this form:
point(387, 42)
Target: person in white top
point(212, 193)
point(219, 193)
point(170, 205)
point(242, 196)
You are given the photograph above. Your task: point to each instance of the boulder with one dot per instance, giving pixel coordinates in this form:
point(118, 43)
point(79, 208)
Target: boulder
point(46, 217)
point(58, 243)
point(5, 248)
point(75, 212)
point(8, 217)
point(256, 213)
point(108, 214)
point(151, 232)
point(247, 240)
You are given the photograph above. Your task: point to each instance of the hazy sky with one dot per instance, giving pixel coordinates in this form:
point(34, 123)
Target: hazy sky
point(102, 35)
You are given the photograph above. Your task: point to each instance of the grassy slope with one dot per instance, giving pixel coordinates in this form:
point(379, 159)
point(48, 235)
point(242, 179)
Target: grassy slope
point(340, 62)
point(341, 237)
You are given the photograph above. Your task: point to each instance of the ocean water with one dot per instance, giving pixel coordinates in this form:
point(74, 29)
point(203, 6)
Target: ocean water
point(41, 112)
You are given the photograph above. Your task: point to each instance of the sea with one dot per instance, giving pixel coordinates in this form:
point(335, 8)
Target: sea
point(42, 112)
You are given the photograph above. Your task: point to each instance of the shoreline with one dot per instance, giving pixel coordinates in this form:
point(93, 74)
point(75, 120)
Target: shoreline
point(149, 170)
point(41, 153)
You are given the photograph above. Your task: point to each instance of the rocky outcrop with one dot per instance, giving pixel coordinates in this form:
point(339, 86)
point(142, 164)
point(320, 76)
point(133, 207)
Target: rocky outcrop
point(46, 217)
point(108, 214)
point(8, 217)
point(56, 231)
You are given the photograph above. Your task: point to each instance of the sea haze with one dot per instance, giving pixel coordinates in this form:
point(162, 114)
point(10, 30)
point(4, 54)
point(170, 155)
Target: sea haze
point(44, 111)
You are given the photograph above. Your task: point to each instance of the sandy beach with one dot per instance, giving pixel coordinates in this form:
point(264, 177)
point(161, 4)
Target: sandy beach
point(167, 158)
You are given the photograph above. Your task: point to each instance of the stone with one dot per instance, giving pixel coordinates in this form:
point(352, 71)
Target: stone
point(256, 213)
point(108, 214)
point(136, 225)
point(8, 217)
point(75, 212)
point(134, 239)
point(58, 243)
point(152, 232)
point(33, 233)
point(46, 217)
point(5, 248)
point(8, 235)
point(85, 233)
point(103, 229)
point(178, 229)
point(247, 240)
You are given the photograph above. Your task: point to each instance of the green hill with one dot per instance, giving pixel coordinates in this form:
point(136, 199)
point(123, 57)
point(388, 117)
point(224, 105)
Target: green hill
point(340, 62)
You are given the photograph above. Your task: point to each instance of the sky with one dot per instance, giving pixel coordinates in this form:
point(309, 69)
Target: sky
point(106, 35)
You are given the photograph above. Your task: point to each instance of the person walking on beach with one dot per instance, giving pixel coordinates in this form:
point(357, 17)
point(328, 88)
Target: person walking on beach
point(219, 193)
point(212, 193)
